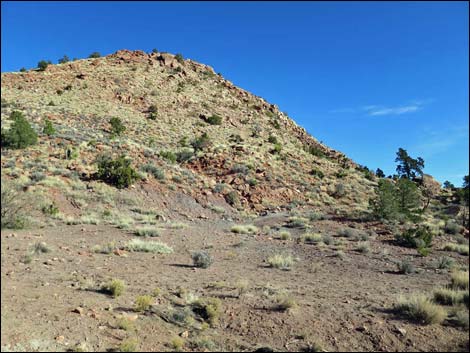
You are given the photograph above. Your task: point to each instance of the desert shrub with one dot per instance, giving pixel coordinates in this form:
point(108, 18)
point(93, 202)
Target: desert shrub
point(20, 134)
point(138, 245)
point(64, 59)
point(327, 239)
point(201, 259)
point(281, 261)
point(43, 64)
point(315, 151)
point(317, 173)
point(12, 205)
point(252, 182)
point(272, 139)
point(125, 324)
point(168, 155)
point(143, 302)
point(297, 222)
point(23, 69)
point(184, 155)
point(117, 172)
point(94, 55)
point(128, 345)
point(451, 227)
point(209, 309)
point(117, 127)
point(157, 173)
point(39, 247)
point(421, 309)
point(48, 128)
point(232, 198)
point(177, 343)
point(179, 58)
point(315, 216)
point(340, 190)
point(405, 267)
point(276, 149)
point(200, 143)
point(214, 120)
point(445, 262)
point(284, 235)
point(114, 287)
point(37, 176)
point(240, 169)
point(417, 237)
point(50, 209)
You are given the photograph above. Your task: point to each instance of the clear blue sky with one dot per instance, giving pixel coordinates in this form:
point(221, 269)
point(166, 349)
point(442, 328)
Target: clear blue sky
point(363, 77)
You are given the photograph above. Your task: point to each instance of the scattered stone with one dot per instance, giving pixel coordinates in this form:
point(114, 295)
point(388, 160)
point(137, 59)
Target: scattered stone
point(78, 310)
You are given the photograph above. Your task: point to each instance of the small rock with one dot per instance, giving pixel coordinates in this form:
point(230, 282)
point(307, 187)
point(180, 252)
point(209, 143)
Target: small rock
point(184, 334)
point(60, 339)
point(78, 310)
point(361, 328)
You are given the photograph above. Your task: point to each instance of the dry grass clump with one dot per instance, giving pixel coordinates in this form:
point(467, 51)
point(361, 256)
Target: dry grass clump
point(421, 309)
point(147, 232)
point(459, 280)
point(244, 229)
point(281, 261)
point(462, 249)
point(363, 247)
point(143, 302)
point(285, 235)
point(285, 303)
point(448, 296)
point(115, 288)
point(138, 245)
point(312, 238)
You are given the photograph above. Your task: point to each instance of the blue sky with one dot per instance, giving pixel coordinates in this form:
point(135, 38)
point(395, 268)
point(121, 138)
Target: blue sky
point(363, 77)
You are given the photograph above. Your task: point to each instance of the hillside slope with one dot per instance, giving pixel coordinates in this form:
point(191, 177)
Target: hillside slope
point(242, 160)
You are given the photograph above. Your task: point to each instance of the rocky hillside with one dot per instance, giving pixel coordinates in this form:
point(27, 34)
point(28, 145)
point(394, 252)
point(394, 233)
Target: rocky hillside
point(256, 157)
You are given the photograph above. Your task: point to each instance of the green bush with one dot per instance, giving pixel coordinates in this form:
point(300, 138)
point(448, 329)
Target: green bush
point(94, 55)
point(179, 58)
point(317, 173)
point(65, 59)
point(117, 172)
point(184, 155)
point(23, 69)
point(419, 237)
point(155, 171)
point(200, 143)
point(272, 139)
point(214, 120)
point(20, 134)
point(315, 151)
point(43, 64)
point(48, 128)
point(117, 127)
point(168, 155)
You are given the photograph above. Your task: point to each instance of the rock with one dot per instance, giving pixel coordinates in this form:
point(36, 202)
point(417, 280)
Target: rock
point(184, 334)
point(78, 310)
point(60, 339)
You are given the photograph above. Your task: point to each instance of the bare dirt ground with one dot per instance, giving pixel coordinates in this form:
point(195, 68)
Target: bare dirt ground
point(343, 303)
